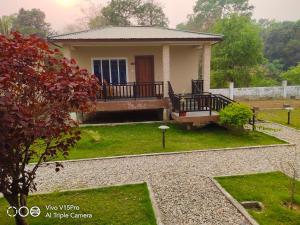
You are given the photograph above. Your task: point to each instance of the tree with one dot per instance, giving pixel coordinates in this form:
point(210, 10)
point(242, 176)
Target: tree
point(292, 75)
point(151, 14)
point(121, 12)
point(261, 76)
point(126, 13)
point(282, 42)
point(207, 13)
point(6, 23)
point(38, 89)
point(31, 22)
point(93, 17)
point(241, 50)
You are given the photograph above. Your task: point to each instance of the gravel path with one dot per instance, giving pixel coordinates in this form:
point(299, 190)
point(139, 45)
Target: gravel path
point(182, 190)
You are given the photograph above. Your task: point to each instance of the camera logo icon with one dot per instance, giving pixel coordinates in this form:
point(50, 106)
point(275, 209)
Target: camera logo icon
point(12, 211)
point(35, 211)
point(23, 211)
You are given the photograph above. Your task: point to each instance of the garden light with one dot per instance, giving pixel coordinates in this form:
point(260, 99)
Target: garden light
point(164, 128)
point(254, 110)
point(289, 109)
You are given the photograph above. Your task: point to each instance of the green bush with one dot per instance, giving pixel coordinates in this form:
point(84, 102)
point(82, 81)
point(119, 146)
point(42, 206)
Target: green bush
point(235, 115)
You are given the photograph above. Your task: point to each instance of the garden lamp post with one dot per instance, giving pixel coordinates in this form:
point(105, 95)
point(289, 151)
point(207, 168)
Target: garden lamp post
point(164, 128)
point(254, 110)
point(289, 109)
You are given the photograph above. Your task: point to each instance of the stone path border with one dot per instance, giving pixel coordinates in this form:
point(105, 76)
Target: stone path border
point(175, 153)
point(155, 207)
point(234, 202)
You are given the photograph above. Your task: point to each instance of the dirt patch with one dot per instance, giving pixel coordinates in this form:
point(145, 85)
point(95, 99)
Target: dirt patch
point(296, 207)
point(272, 104)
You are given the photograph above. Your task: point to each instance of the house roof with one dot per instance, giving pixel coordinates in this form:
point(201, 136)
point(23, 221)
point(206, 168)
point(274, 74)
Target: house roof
point(135, 33)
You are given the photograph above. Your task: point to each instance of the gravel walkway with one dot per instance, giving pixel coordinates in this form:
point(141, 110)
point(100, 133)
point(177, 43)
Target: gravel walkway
point(182, 190)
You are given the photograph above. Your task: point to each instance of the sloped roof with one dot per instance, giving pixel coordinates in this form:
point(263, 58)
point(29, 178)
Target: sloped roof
point(137, 33)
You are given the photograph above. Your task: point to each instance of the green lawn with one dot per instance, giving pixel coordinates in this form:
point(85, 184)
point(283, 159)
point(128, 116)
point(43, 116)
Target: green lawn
point(146, 138)
point(271, 189)
point(114, 205)
point(281, 116)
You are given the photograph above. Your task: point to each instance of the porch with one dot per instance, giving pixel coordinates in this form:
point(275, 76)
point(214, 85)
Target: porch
point(195, 108)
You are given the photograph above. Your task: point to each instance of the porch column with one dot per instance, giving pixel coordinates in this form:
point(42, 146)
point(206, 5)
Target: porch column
point(206, 58)
point(166, 76)
point(166, 68)
point(76, 116)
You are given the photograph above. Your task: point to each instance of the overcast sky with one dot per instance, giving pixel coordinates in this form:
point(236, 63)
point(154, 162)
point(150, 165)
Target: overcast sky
point(62, 12)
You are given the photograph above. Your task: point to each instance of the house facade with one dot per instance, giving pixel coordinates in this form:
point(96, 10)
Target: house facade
point(136, 65)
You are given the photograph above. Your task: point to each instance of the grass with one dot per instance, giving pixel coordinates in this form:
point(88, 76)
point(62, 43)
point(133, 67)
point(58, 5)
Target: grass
point(271, 189)
point(281, 116)
point(146, 138)
point(128, 204)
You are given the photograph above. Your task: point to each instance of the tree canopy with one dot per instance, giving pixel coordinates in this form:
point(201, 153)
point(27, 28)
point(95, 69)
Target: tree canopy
point(151, 14)
point(128, 13)
point(6, 24)
point(241, 50)
point(207, 12)
point(282, 42)
point(31, 22)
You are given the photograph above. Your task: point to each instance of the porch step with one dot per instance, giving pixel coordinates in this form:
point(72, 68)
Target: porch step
point(196, 118)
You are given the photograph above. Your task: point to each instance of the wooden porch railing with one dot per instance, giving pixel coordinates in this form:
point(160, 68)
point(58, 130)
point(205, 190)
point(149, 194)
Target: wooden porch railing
point(196, 102)
point(131, 90)
point(197, 86)
point(220, 102)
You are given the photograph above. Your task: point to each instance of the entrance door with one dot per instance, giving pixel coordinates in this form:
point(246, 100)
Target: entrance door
point(144, 74)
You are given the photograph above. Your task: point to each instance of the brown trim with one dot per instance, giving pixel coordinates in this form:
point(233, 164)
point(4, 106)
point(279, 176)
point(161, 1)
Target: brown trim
point(139, 104)
point(137, 39)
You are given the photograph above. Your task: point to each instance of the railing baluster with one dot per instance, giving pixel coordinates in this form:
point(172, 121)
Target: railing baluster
point(131, 90)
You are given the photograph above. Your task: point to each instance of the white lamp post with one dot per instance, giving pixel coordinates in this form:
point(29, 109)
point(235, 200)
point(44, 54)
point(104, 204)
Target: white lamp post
point(163, 128)
point(289, 109)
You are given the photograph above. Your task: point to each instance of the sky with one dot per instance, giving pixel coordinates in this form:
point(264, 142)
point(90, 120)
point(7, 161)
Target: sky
point(60, 13)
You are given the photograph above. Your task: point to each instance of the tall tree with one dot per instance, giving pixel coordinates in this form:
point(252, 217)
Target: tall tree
point(6, 23)
point(207, 12)
point(126, 13)
point(121, 12)
point(151, 14)
point(241, 50)
point(31, 22)
point(38, 89)
point(282, 42)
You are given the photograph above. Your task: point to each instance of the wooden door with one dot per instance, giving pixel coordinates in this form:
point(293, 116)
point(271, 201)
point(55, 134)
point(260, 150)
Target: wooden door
point(144, 74)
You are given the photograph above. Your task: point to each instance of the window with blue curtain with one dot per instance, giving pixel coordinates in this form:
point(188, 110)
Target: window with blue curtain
point(113, 71)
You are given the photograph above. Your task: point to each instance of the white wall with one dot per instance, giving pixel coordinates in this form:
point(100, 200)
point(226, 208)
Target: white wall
point(260, 92)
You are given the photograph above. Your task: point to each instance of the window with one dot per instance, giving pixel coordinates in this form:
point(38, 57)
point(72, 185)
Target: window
point(113, 71)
